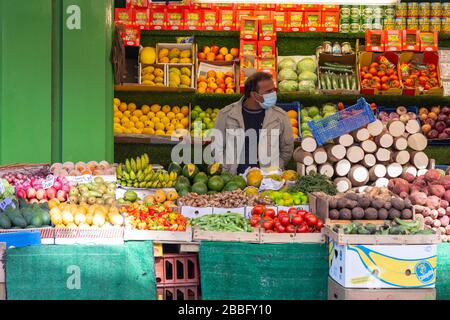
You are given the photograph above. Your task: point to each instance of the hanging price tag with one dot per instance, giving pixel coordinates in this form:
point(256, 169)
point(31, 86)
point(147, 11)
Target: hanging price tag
point(48, 183)
point(84, 179)
point(6, 203)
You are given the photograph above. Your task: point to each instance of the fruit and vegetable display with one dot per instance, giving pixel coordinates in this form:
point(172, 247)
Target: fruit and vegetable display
point(228, 222)
point(336, 76)
point(313, 113)
point(293, 118)
point(215, 53)
point(180, 77)
point(85, 216)
point(138, 173)
point(202, 121)
point(381, 75)
point(421, 76)
point(226, 199)
point(128, 198)
point(174, 55)
point(97, 192)
point(255, 177)
point(151, 120)
point(33, 190)
point(155, 217)
point(292, 221)
point(297, 76)
point(435, 122)
point(217, 82)
point(25, 216)
point(81, 168)
point(396, 227)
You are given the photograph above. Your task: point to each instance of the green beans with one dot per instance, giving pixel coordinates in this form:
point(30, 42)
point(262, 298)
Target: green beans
point(232, 222)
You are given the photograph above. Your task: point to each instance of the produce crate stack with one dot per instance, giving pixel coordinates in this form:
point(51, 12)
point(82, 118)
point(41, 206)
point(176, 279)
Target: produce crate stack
point(257, 48)
point(177, 277)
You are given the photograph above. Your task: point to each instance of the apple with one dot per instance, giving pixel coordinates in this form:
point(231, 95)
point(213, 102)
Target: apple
point(41, 194)
point(31, 193)
point(51, 193)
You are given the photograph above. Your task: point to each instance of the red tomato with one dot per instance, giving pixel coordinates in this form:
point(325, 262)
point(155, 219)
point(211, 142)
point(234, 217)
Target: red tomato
point(290, 229)
point(423, 80)
point(280, 229)
point(384, 87)
point(311, 220)
point(431, 66)
point(381, 74)
point(368, 76)
point(424, 73)
point(297, 220)
point(395, 84)
point(433, 75)
point(285, 221)
point(384, 79)
point(301, 212)
point(393, 77)
point(409, 83)
point(276, 224)
point(319, 225)
point(365, 68)
point(258, 210)
point(382, 67)
point(376, 79)
point(254, 222)
point(378, 86)
point(282, 213)
point(433, 82)
point(427, 87)
point(267, 218)
point(268, 225)
point(373, 71)
point(292, 211)
point(270, 213)
point(374, 65)
point(303, 228)
point(390, 72)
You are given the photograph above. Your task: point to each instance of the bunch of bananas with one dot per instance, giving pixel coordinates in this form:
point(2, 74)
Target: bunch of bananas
point(140, 174)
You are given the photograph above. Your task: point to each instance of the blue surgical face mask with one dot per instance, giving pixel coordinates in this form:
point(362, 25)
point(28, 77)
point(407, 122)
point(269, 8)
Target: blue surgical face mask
point(270, 99)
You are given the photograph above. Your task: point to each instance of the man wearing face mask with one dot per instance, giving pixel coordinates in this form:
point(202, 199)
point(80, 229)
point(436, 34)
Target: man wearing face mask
point(256, 110)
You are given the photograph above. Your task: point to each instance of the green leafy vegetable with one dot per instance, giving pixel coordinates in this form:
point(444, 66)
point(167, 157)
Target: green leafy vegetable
point(314, 183)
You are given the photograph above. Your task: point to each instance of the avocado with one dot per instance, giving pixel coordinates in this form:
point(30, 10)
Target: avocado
point(5, 222)
point(18, 220)
point(37, 220)
point(46, 220)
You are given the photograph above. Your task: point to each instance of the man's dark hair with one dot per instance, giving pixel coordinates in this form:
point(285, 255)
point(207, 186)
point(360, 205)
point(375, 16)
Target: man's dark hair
point(251, 84)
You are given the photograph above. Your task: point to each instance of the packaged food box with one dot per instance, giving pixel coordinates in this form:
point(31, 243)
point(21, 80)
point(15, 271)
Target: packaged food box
point(375, 40)
point(131, 36)
point(263, 14)
point(227, 20)
point(141, 18)
point(174, 19)
point(241, 14)
point(428, 41)
point(330, 21)
point(288, 7)
point(266, 49)
point(249, 28)
point(295, 21)
point(280, 18)
point(137, 4)
point(313, 20)
point(249, 48)
point(411, 40)
point(123, 16)
point(210, 19)
point(311, 7)
point(267, 30)
point(193, 19)
point(157, 19)
point(393, 40)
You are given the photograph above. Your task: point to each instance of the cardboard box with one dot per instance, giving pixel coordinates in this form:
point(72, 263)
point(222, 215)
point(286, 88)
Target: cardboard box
point(330, 21)
point(193, 212)
point(263, 14)
point(375, 40)
point(267, 30)
point(123, 16)
point(428, 41)
point(383, 266)
point(410, 40)
point(131, 35)
point(393, 40)
point(240, 210)
point(295, 21)
point(157, 19)
point(141, 18)
point(249, 28)
point(267, 63)
point(241, 14)
point(280, 18)
point(225, 67)
point(227, 19)
point(313, 21)
point(155, 65)
point(349, 60)
point(180, 46)
point(210, 19)
point(338, 292)
point(174, 19)
point(183, 4)
point(194, 19)
point(267, 49)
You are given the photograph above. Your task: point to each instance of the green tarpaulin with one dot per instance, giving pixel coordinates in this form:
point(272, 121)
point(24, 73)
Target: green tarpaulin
point(81, 272)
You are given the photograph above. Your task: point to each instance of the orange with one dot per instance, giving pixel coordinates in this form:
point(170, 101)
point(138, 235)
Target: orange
point(292, 114)
point(211, 74)
point(118, 114)
point(160, 114)
point(116, 109)
point(176, 109)
point(149, 124)
point(156, 120)
point(145, 109)
point(206, 49)
point(174, 122)
point(166, 109)
point(219, 90)
point(155, 108)
point(185, 110)
point(179, 116)
point(138, 113)
point(295, 129)
point(234, 52)
point(132, 107)
point(149, 131)
point(210, 56)
point(127, 114)
point(185, 122)
point(123, 107)
point(202, 85)
point(223, 51)
point(140, 125)
point(201, 90)
point(229, 57)
point(116, 120)
point(143, 118)
point(213, 80)
point(294, 122)
point(116, 102)
point(220, 75)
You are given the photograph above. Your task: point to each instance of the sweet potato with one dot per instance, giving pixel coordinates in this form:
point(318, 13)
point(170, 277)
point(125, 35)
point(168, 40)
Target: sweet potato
point(332, 203)
point(394, 213)
point(437, 190)
point(342, 203)
point(351, 196)
point(432, 175)
point(407, 214)
point(357, 213)
point(334, 214)
point(377, 204)
point(433, 202)
point(364, 202)
point(383, 214)
point(419, 198)
point(444, 221)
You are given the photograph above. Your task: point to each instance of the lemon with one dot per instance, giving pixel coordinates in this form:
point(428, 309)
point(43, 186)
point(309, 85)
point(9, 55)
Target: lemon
point(158, 72)
point(126, 130)
point(169, 133)
point(179, 116)
point(171, 115)
point(159, 126)
point(145, 109)
point(143, 118)
point(185, 110)
point(127, 114)
point(138, 113)
point(116, 109)
point(124, 120)
point(160, 114)
point(118, 114)
point(123, 107)
point(174, 122)
point(156, 120)
point(148, 131)
point(179, 126)
point(132, 124)
point(134, 119)
point(151, 115)
point(166, 109)
point(149, 124)
point(165, 120)
point(160, 132)
point(140, 125)
point(116, 120)
point(116, 102)
point(132, 107)
point(176, 109)
point(155, 108)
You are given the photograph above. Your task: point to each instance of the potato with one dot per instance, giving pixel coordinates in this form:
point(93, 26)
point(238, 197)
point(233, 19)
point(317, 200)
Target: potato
point(351, 196)
point(407, 214)
point(387, 205)
point(357, 213)
point(351, 204)
point(345, 214)
point(371, 214)
point(332, 203)
point(377, 204)
point(398, 204)
point(342, 203)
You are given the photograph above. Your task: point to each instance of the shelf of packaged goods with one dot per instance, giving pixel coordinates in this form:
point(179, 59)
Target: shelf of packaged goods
point(150, 139)
point(145, 88)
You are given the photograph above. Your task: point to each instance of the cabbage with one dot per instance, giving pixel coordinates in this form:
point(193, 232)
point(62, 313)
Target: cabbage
point(306, 85)
point(306, 64)
point(307, 75)
point(287, 63)
point(287, 74)
point(288, 85)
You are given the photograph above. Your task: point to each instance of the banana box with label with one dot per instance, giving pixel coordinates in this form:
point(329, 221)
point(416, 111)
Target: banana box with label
point(383, 266)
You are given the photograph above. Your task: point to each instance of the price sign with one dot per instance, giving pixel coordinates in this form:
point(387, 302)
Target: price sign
point(6, 203)
point(84, 179)
point(48, 183)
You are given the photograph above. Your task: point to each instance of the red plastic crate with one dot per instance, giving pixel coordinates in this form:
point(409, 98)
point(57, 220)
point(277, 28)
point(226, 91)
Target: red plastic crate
point(188, 292)
point(177, 269)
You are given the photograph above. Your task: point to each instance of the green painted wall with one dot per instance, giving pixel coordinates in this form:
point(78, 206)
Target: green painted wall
point(87, 84)
point(25, 81)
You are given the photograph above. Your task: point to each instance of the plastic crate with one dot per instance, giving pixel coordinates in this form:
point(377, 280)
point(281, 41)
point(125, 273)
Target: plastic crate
point(342, 122)
point(292, 106)
point(176, 292)
point(177, 269)
point(442, 167)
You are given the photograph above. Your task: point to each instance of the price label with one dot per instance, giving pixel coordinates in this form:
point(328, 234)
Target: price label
point(6, 203)
point(84, 179)
point(48, 183)
point(2, 187)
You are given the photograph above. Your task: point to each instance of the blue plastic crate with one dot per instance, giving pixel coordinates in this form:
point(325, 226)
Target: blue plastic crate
point(442, 167)
point(342, 122)
point(292, 106)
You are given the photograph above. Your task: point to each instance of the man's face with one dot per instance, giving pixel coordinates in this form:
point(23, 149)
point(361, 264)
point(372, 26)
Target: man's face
point(265, 87)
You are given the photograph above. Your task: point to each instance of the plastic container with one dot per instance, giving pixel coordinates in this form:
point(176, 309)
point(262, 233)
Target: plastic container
point(343, 122)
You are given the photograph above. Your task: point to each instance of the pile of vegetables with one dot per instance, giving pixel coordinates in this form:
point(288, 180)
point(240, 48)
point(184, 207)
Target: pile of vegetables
point(7, 191)
point(228, 199)
point(396, 227)
point(229, 222)
point(401, 113)
point(334, 76)
point(313, 183)
point(422, 76)
point(159, 218)
point(292, 221)
point(299, 76)
point(378, 204)
point(435, 123)
point(25, 216)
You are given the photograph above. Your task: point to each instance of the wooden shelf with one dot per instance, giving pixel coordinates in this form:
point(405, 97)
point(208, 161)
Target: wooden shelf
point(146, 88)
point(149, 139)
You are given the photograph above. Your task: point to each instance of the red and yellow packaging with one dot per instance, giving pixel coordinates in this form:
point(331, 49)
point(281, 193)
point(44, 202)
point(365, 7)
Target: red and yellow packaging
point(227, 20)
point(248, 62)
point(184, 4)
point(375, 40)
point(210, 19)
point(244, 6)
point(137, 3)
point(267, 30)
point(141, 18)
point(132, 36)
point(330, 21)
point(295, 21)
point(124, 16)
point(157, 19)
point(313, 21)
point(330, 7)
point(311, 7)
point(241, 14)
point(193, 19)
point(263, 14)
point(230, 6)
point(393, 40)
point(267, 63)
point(280, 18)
point(249, 28)
point(428, 41)
point(266, 49)
point(289, 7)
point(267, 6)
point(200, 6)
point(410, 40)
point(249, 48)
point(175, 20)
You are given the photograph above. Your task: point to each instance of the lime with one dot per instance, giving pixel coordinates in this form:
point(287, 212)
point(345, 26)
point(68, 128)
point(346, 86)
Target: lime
point(194, 115)
point(207, 120)
point(210, 125)
point(209, 111)
point(202, 115)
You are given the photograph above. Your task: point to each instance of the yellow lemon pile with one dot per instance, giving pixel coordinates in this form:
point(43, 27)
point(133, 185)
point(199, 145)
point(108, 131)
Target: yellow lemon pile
point(151, 120)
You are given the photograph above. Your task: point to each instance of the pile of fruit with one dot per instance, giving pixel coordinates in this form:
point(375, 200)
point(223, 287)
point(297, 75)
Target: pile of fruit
point(422, 76)
point(255, 177)
point(435, 123)
point(150, 120)
point(401, 113)
point(128, 198)
point(214, 53)
point(160, 197)
point(293, 117)
point(8, 190)
point(180, 77)
point(33, 191)
point(284, 198)
point(174, 55)
point(216, 82)
point(292, 221)
point(80, 168)
point(85, 216)
point(97, 192)
point(202, 121)
point(26, 217)
point(140, 174)
point(313, 113)
point(381, 75)
point(152, 76)
point(160, 218)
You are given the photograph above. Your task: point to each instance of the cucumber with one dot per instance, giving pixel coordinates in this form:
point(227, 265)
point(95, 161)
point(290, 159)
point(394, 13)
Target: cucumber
point(334, 81)
point(341, 81)
point(5, 222)
point(337, 65)
point(336, 69)
point(347, 81)
point(354, 85)
point(328, 81)
point(18, 221)
point(323, 83)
